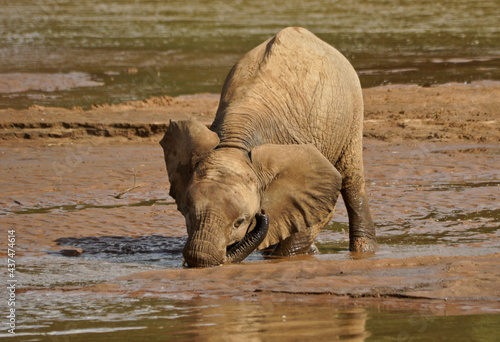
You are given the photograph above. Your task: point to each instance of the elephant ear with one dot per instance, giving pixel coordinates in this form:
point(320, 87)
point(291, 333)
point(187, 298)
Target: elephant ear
point(184, 144)
point(301, 188)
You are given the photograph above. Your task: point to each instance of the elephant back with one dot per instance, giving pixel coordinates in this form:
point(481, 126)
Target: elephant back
point(292, 89)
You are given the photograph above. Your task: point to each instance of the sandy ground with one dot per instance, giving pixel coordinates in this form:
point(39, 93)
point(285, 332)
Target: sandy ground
point(452, 112)
point(65, 170)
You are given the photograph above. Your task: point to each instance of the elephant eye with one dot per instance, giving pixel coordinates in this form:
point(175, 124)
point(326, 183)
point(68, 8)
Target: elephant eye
point(239, 222)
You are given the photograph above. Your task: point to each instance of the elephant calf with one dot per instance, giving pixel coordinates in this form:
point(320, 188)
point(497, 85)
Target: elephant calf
point(285, 142)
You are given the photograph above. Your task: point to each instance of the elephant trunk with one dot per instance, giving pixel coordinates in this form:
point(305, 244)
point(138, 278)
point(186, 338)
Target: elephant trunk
point(206, 245)
point(250, 242)
point(201, 249)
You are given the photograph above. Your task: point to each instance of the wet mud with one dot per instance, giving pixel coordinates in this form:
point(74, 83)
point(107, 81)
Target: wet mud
point(21, 82)
point(95, 224)
point(429, 201)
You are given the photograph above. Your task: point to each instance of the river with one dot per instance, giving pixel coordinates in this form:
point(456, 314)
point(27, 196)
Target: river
point(78, 53)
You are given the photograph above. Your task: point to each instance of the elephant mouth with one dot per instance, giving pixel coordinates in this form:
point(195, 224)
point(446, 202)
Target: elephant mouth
point(240, 250)
point(250, 228)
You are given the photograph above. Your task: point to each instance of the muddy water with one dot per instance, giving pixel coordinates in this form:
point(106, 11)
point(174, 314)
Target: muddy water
point(425, 199)
point(101, 319)
point(69, 53)
point(77, 226)
point(442, 198)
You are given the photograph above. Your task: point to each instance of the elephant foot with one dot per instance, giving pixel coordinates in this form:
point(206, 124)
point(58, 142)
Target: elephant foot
point(363, 244)
point(297, 244)
point(314, 249)
point(280, 251)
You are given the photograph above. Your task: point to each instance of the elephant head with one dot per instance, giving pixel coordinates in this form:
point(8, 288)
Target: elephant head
point(223, 192)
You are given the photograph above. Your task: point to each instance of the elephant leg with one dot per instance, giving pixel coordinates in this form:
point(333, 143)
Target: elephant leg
point(297, 244)
point(302, 242)
point(361, 228)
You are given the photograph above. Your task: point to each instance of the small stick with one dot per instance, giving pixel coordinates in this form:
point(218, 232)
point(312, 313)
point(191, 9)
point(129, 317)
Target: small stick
point(119, 196)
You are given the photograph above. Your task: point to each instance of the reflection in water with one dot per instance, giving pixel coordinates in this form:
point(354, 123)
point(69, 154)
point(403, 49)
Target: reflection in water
point(197, 320)
point(296, 319)
point(243, 321)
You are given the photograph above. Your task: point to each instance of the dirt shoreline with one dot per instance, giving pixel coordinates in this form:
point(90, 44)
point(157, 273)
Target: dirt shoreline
point(450, 113)
point(448, 285)
point(427, 277)
point(64, 167)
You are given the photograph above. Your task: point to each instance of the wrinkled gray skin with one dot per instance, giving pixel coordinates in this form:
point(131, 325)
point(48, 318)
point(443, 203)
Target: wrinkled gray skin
point(286, 140)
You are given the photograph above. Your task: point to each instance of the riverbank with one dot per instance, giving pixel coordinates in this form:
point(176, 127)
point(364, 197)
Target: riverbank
point(444, 113)
point(86, 194)
point(79, 208)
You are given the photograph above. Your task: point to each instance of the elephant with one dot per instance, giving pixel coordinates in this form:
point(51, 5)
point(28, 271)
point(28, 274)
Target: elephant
point(286, 141)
